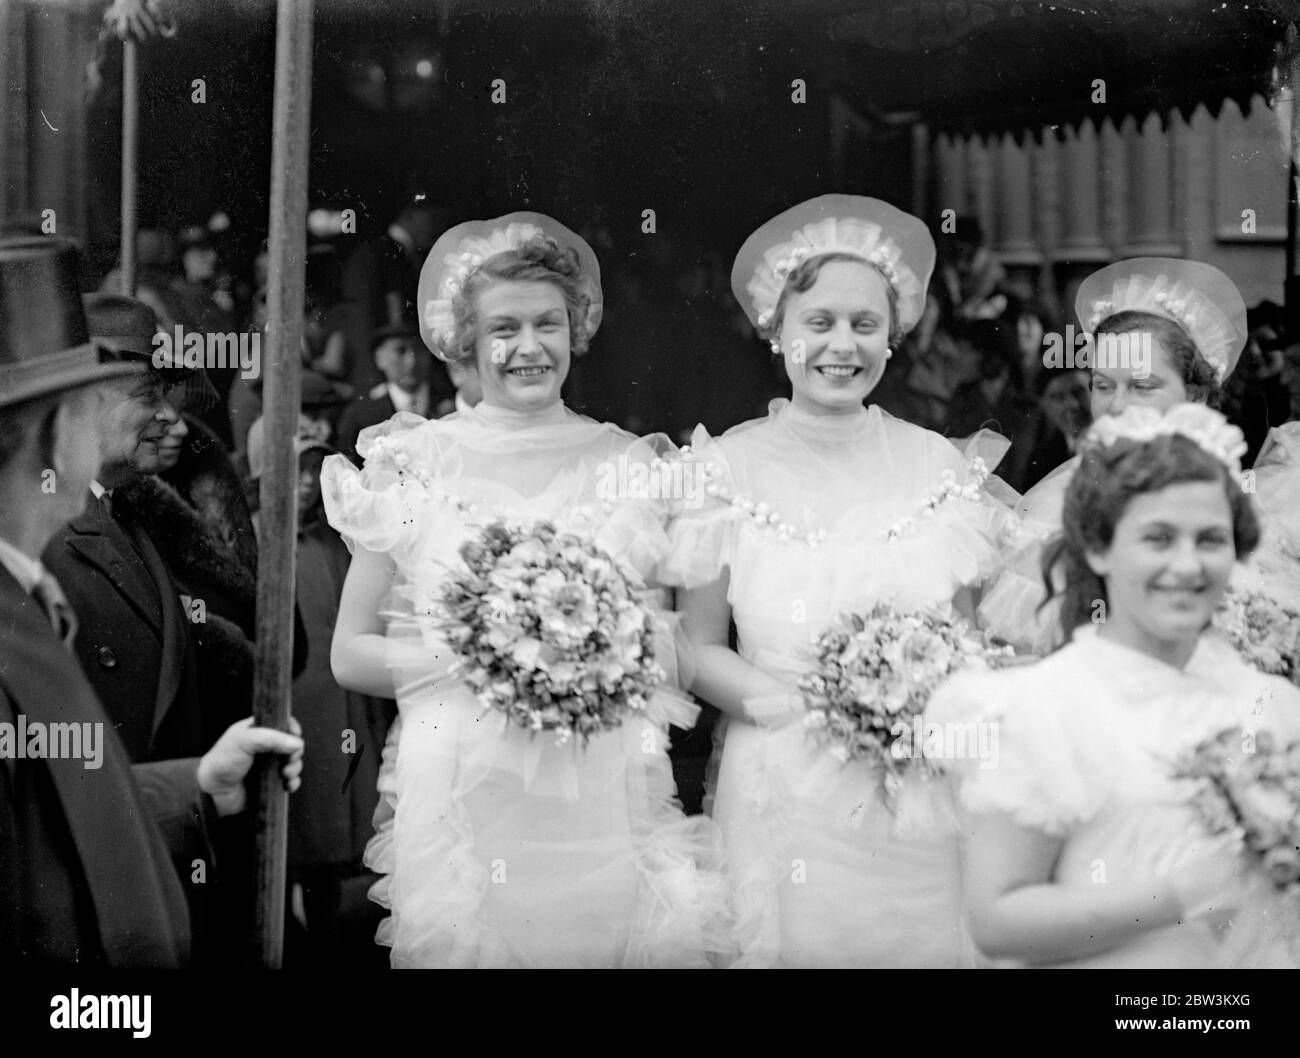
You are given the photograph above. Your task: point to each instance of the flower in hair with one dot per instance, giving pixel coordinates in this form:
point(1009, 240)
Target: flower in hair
point(1101, 308)
point(1204, 426)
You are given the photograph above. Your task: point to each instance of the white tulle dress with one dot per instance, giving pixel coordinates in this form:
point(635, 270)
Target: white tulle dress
point(1014, 606)
point(822, 874)
point(498, 848)
point(1275, 567)
point(1087, 737)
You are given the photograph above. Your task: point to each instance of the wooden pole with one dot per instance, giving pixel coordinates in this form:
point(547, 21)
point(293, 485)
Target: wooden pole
point(130, 145)
point(282, 363)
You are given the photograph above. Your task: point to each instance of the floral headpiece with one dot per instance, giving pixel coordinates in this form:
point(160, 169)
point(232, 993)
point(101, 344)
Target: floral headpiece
point(1210, 431)
point(895, 242)
point(462, 250)
point(1196, 296)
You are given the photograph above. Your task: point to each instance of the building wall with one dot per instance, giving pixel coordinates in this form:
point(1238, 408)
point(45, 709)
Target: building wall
point(1056, 210)
point(43, 147)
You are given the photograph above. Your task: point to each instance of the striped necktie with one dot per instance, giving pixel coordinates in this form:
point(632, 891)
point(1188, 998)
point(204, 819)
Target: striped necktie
point(55, 604)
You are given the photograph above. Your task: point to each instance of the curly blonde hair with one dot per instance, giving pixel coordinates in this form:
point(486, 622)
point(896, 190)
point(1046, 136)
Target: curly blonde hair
point(539, 260)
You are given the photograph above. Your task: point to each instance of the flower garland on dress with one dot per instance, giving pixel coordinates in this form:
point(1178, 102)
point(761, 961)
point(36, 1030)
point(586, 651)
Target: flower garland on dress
point(396, 452)
point(763, 515)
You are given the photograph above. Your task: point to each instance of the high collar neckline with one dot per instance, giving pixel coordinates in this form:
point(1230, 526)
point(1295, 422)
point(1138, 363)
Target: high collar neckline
point(825, 429)
point(1200, 665)
point(511, 419)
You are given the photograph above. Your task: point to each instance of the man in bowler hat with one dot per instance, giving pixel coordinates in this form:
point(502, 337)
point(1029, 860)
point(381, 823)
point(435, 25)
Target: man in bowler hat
point(85, 872)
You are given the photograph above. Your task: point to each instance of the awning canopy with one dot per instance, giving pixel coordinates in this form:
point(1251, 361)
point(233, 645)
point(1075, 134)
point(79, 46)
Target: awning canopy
point(1011, 66)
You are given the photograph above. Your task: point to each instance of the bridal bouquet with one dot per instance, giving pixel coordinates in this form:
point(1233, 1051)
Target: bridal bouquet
point(549, 630)
point(1249, 786)
point(874, 677)
point(1263, 631)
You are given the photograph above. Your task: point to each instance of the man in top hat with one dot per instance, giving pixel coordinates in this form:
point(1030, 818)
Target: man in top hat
point(412, 382)
point(141, 636)
point(85, 837)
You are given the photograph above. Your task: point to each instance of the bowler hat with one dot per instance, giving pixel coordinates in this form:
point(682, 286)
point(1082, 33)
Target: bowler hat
point(127, 327)
point(45, 346)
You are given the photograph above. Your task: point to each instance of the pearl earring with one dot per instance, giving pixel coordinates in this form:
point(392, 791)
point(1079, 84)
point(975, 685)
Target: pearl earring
point(888, 352)
point(776, 347)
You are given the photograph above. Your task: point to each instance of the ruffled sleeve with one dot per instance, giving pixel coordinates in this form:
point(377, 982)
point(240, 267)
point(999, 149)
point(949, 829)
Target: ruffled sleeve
point(702, 535)
point(640, 487)
point(378, 507)
point(1012, 607)
point(973, 528)
point(1043, 774)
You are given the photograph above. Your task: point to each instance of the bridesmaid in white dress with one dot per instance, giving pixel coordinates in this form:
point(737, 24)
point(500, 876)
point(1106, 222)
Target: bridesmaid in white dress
point(819, 508)
point(1195, 321)
point(1275, 567)
point(499, 848)
point(1082, 850)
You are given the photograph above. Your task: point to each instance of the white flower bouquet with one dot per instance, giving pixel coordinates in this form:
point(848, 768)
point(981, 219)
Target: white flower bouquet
point(874, 677)
point(1248, 785)
point(1265, 632)
point(550, 630)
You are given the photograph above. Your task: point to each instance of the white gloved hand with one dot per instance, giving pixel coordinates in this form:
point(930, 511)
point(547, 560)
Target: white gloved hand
point(775, 710)
point(1212, 885)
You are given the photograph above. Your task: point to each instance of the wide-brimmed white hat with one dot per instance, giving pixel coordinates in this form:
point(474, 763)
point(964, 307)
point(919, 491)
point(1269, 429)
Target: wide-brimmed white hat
point(464, 248)
point(898, 243)
point(1198, 297)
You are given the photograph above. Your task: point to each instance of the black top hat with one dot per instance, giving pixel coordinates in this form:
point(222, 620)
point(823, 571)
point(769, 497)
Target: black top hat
point(45, 346)
point(398, 330)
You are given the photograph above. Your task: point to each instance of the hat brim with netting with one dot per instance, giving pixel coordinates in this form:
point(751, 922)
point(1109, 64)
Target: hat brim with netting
point(467, 246)
point(896, 242)
point(1198, 297)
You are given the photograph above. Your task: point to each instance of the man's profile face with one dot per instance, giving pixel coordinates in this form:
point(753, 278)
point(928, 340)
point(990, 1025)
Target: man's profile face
point(134, 418)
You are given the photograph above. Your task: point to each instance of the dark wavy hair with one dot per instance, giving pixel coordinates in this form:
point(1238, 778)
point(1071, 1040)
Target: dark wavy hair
point(1199, 378)
point(1099, 493)
point(803, 276)
point(541, 260)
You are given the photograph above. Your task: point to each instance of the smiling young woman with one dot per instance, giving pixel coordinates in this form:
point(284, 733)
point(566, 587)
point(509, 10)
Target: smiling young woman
point(1083, 848)
point(593, 862)
point(825, 506)
point(1173, 329)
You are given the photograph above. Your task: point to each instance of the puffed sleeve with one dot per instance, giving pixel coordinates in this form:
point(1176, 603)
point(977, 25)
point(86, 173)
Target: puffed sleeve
point(702, 535)
point(378, 507)
point(1044, 773)
point(1015, 606)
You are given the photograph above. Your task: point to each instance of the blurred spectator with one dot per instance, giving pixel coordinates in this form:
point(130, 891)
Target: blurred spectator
point(156, 272)
point(1064, 413)
point(1289, 375)
point(330, 816)
point(324, 334)
point(413, 381)
point(201, 306)
point(1254, 396)
point(469, 387)
point(321, 403)
point(993, 398)
point(969, 275)
point(381, 276)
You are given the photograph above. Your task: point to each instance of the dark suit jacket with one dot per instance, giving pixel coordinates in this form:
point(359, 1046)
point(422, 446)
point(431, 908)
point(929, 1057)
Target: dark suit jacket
point(362, 411)
point(84, 871)
point(374, 407)
point(136, 647)
point(133, 639)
